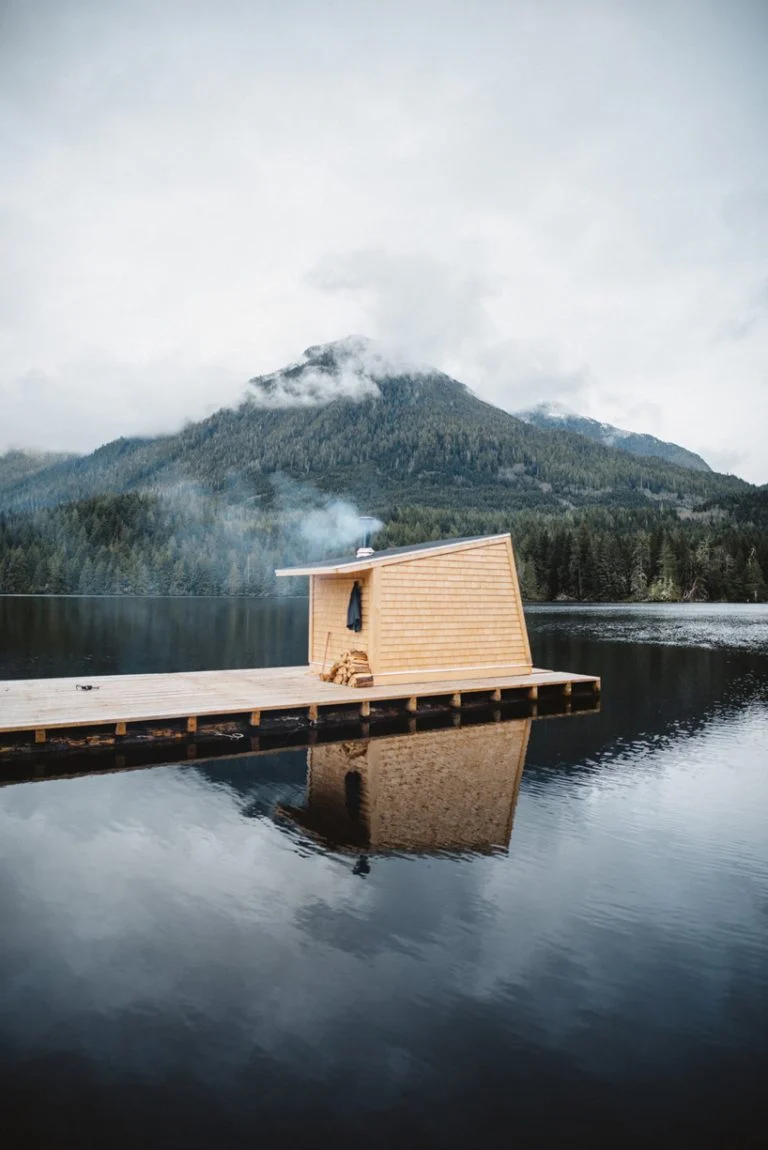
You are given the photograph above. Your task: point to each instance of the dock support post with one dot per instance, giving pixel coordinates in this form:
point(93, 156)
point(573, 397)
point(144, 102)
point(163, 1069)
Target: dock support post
point(313, 712)
point(412, 705)
point(191, 724)
point(533, 693)
point(496, 695)
point(120, 728)
point(365, 709)
point(39, 736)
point(567, 688)
point(255, 719)
point(456, 700)
point(596, 686)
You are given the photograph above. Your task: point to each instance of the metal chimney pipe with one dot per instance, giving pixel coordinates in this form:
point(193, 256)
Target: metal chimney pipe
point(366, 523)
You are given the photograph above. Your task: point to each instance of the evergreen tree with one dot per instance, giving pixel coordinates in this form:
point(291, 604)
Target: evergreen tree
point(641, 565)
point(754, 582)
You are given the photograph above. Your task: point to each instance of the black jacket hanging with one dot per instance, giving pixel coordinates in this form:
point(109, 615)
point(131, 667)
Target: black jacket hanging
point(355, 609)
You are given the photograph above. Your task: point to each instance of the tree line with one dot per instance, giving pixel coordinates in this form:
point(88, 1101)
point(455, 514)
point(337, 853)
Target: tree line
point(145, 543)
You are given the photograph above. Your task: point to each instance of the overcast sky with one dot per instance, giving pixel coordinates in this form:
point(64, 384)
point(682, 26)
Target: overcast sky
point(549, 200)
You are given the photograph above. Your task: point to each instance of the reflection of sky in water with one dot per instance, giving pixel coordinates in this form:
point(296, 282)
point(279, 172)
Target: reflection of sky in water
point(149, 925)
point(712, 625)
point(159, 929)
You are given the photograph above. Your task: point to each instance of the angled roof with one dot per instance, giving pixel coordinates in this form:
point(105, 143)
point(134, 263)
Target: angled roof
point(350, 565)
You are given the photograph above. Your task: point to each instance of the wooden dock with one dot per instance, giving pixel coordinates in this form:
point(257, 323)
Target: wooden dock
point(42, 711)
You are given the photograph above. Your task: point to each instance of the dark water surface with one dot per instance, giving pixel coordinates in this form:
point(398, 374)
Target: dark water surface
point(408, 941)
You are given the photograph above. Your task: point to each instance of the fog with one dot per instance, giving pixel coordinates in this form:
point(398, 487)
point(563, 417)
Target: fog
point(551, 201)
point(354, 366)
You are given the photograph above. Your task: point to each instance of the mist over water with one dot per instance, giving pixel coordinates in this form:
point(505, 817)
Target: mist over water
point(194, 954)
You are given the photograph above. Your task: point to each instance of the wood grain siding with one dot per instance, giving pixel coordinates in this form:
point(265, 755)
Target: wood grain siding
point(330, 599)
point(455, 611)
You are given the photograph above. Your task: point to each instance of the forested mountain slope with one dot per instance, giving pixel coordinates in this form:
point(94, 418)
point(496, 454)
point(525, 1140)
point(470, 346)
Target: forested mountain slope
point(556, 417)
point(403, 434)
point(18, 466)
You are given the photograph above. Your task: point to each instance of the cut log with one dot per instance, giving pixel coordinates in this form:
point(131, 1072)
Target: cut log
point(350, 669)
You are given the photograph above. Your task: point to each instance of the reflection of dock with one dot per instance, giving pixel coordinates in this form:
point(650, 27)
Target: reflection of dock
point(450, 789)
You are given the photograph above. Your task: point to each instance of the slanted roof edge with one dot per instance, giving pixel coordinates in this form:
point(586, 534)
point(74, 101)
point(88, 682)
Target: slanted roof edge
point(354, 566)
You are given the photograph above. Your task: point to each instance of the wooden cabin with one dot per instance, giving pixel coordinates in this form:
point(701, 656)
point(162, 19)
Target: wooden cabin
point(449, 609)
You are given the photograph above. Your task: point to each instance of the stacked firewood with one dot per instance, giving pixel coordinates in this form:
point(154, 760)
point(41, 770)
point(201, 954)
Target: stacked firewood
point(351, 670)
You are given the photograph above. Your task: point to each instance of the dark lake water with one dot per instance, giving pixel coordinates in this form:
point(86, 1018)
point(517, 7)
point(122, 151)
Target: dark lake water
point(410, 941)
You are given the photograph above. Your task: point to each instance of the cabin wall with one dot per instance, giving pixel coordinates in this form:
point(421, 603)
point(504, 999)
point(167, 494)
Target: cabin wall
point(329, 600)
point(454, 613)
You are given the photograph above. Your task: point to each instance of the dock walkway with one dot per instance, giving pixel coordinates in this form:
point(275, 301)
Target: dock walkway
point(116, 701)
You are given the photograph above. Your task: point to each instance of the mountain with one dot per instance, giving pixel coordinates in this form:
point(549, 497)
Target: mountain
point(353, 419)
point(18, 466)
point(558, 417)
point(215, 508)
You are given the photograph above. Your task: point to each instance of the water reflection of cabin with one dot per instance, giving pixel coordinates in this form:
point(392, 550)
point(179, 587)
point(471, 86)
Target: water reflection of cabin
point(453, 789)
point(439, 610)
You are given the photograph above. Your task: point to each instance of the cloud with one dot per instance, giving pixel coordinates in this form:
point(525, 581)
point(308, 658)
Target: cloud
point(312, 388)
point(635, 410)
point(753, 313)
point(94, 398)
point(745, 213)
point(729, 462)
point(434, 307)
point(520, 374)
point(199, 192)
point(348, 369)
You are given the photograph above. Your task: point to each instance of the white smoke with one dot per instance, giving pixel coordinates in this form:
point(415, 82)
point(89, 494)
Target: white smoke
point(347, 369)
point(315, 525)
point(335, 526)
point(246, 539)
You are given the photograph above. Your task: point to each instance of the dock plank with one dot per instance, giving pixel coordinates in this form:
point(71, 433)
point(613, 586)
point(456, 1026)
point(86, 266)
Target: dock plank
point(48, 704)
